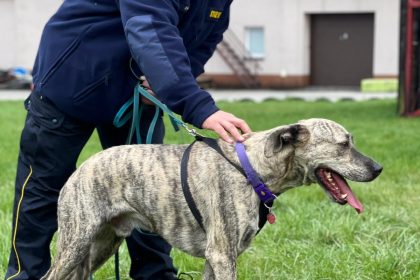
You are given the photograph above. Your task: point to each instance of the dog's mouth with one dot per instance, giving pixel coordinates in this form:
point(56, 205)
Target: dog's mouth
point(337, 188)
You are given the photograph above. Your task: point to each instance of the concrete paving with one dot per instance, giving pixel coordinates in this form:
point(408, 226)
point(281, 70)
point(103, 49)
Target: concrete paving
point(260, 95)
point(13, 94)
point(305, 94)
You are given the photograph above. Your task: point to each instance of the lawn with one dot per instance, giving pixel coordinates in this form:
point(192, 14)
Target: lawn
point(313, 238)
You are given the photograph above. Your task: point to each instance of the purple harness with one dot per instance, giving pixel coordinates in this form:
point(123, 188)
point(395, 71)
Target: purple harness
point(259, 187)
point(246, 169)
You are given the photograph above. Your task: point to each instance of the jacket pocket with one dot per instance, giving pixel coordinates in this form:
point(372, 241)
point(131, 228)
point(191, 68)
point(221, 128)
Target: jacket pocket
point(62, 58)
point(43, 112)
point(96, 86)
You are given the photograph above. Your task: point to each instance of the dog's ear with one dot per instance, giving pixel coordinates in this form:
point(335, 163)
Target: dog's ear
point(280, 138)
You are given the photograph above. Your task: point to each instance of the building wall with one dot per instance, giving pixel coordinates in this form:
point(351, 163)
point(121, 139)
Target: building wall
point(7, 34)
point(287, 27)
point(21, 23)
point(286, 24)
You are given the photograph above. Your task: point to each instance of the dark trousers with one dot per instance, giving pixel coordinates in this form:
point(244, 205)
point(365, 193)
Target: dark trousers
point(49, 148)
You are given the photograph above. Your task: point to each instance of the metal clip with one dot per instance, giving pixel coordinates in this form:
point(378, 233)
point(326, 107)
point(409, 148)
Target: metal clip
point(268, 207)
point(191, 131)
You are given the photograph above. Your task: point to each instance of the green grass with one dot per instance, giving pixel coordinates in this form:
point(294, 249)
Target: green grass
point(312, 238)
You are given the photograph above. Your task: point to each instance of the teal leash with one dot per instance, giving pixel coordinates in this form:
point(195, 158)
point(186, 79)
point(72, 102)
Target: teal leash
point(133, 109)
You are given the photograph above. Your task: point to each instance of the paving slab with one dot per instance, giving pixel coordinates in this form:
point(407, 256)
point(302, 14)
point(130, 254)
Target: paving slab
point(259, 95)
point(308, 95)
point(11, 94)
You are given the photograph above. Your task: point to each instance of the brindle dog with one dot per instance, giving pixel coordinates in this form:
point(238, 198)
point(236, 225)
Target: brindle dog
point(139, 186)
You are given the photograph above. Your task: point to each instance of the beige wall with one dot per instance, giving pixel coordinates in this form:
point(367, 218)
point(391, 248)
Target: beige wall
point(7, 34)
point(21, 23)
point(287, 27)
point(286, 24)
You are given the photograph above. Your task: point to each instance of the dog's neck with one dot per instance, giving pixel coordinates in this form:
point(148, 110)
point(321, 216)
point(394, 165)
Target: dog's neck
point(278, 176)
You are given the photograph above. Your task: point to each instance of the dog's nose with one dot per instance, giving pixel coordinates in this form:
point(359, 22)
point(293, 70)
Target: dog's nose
point(377, 169)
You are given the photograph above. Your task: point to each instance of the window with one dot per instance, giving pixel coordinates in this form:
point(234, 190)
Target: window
point(254, 38)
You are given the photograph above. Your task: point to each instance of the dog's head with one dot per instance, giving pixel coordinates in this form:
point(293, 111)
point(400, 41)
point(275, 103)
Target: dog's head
point(320, 151)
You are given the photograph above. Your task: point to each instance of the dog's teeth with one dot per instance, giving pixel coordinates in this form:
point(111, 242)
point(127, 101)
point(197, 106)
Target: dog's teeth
point(329, 178)
point(344, 196)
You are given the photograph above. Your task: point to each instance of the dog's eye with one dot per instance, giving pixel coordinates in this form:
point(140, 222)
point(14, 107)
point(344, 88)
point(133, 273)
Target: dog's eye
point(344, 144)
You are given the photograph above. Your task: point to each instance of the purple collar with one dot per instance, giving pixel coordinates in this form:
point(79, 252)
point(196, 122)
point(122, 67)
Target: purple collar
point(259, 187)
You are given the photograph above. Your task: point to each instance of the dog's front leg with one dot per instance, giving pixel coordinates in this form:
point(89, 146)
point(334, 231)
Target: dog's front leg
point(219, 265)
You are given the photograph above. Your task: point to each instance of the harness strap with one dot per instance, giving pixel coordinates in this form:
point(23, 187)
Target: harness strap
point(263, 210)
point(186, 187)
point(212, 143)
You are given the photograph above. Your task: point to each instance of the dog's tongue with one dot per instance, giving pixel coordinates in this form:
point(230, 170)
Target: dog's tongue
point(351, 198)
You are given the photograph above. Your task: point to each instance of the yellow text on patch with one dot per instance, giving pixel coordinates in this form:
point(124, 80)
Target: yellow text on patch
point(215, 14)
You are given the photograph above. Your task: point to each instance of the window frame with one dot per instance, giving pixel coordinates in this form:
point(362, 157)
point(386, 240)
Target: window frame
point(248, 31)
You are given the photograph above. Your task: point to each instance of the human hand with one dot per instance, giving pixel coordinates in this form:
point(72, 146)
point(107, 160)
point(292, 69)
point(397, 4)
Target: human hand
point(227, 126)
point(146, 85)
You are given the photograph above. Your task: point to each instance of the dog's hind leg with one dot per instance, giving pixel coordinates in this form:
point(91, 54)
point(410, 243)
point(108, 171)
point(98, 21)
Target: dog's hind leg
point(72, 260)
point(103, 247)
point(73, 246)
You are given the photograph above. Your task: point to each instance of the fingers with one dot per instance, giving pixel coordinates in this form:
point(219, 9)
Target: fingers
point(232, 130)
point(242, 125)
point(221, 131)
point(146, 85)
point(227, 126)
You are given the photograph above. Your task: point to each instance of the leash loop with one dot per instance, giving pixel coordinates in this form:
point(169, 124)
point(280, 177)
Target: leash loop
point(133, 110)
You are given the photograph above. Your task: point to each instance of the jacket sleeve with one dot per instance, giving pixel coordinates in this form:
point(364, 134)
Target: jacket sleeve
point(155, 43)
point(202, 53)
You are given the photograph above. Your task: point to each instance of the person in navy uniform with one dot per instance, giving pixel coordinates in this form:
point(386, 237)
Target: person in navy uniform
point(81, 78)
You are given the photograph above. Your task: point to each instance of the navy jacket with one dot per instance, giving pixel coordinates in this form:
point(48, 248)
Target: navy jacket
point(82, 63)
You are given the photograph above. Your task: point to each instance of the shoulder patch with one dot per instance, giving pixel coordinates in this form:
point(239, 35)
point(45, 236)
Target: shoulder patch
point(215, 14)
